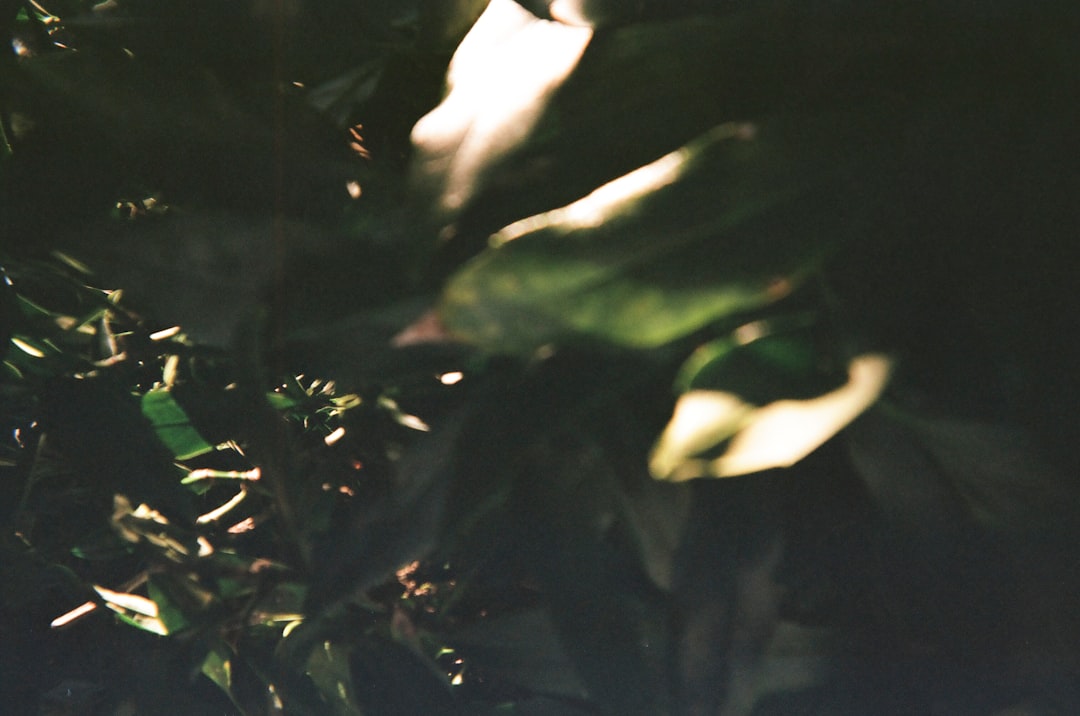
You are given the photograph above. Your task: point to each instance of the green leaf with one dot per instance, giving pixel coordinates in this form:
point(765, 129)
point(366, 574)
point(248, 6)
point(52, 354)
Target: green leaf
point(764, 360)
point(133, 609)
point(217, 666)
point(173, 426)
point(169, 613)
point(778, 434)
point(724, 225)
point(328, 667)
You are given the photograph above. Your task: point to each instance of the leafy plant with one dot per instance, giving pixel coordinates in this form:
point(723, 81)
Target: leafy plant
point(373, 358)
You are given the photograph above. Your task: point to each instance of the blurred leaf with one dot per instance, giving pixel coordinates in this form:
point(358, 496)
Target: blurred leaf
point(778, 434)
point(9, 311)
point(599, 600)
point(927, 471)
point(169, 613)
point(33, 347)
point(770, 358)
point(328, 667)
point(217, 666)
point(655, 515)
point(533, 120)
point(146, 526)
point(134, 609)
point(172, 425)
point(183, 602)
point(722, 226)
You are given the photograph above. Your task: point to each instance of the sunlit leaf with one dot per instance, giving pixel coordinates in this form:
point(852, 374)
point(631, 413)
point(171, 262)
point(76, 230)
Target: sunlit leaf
point(778, 434)
point(217, 666)
point(134, 609)
point(140, 621)
point(170, 615)
point(719, 227)
point(31, 347)
point(134, 603)
point(148, 527)
point(173, 426)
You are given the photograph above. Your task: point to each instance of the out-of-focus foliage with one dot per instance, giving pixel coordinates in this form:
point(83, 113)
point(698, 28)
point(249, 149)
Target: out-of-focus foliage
point(362, 357)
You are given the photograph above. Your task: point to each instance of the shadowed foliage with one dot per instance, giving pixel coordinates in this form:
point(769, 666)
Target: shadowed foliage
point(458, 357)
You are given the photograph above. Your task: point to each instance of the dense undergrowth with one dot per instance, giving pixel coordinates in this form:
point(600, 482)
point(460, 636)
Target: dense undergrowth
point(538, 358)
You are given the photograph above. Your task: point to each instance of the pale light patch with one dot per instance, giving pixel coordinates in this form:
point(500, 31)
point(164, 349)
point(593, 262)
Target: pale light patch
point(219, 512)
point(499, 81)
point(207, 474)
point(75, 614)
point(72, 262)
point(130, 602)
point(568, 12)
point(784, 432)
point(750, 332)
point(617, 195)
point(245, 525)
point(164, 333)
point(353, 187)
point(776, 435)
point(27, 348)
point(702, 419)
point(111, 360)
point(401, 417)
point(146, 512)
point(333, 437)
point(170, 371)
point(451, 378)
point(275, 700)
point(603, 203)
point(137, 609)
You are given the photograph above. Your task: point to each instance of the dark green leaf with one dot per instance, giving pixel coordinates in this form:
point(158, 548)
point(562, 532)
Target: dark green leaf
point(722, 226)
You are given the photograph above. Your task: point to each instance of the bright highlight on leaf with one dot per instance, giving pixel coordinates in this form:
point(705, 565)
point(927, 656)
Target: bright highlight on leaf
point(699, 235)
point(134, 609)
point(500, 79)
point(207, 474)
point(27, 348)
point(776, 435)
point(165, 333)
